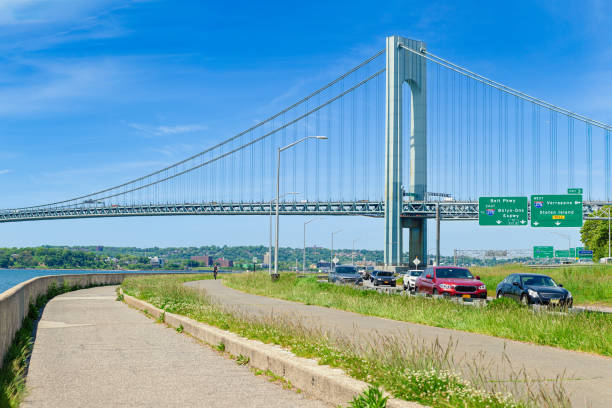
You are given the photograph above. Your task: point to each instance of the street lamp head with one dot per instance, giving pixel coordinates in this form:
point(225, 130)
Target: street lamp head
point(321, 137)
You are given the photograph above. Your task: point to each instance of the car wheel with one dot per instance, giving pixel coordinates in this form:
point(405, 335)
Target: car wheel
point(524, 299)
point(499, 295)
point(434, 292)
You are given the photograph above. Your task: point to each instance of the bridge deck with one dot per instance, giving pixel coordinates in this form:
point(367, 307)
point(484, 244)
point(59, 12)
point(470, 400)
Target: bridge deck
point(448, 210)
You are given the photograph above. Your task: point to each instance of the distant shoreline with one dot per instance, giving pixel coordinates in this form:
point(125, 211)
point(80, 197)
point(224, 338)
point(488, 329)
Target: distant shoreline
point(99, 270)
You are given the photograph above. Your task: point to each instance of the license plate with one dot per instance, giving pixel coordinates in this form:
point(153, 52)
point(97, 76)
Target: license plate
point(466, 296)
point(386, 281)
point(554, 301)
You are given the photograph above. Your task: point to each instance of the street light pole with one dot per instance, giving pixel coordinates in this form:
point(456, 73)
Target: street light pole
point(353, 253)
point(280, 149)
point(270, 247)
point(331, 264)
point(569, 241)
point(304, 254)
point(609, 241)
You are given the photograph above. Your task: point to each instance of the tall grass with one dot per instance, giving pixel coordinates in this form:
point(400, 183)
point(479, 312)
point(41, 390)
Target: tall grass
point(14, 367)
point(588, 284)
point(591, 332)
point(406, 368)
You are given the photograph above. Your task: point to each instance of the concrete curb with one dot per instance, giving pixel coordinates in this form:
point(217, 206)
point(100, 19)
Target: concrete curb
point(329, 384)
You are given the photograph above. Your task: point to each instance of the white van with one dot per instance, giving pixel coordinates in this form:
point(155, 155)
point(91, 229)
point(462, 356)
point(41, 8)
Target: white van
point(605, 260)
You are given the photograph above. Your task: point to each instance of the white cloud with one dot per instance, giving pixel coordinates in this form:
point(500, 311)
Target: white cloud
point(164, 130)
point(59, 85)
point(103, 170)
point(5, 171)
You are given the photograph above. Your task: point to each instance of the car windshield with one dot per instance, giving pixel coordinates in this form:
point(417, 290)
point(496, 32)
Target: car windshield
point(453, 273)
point(346, 270)
point(538, 281)
point(415, 273)
point(383, 273)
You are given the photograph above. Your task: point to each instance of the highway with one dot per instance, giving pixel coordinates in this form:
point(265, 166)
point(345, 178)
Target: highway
point(588, 377)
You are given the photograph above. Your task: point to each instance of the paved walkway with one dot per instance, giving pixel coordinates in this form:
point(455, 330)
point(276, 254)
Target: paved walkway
point(591, 375)
point(92, 351)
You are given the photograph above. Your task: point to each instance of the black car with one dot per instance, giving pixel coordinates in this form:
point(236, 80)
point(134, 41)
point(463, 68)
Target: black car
point(383, 278)
point(345, 274)
point(531, 288)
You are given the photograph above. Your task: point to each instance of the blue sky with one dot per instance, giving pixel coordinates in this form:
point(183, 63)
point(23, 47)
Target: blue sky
point(99, 91)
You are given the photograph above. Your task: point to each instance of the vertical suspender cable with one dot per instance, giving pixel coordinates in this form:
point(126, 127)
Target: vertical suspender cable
point(317, 148)
point(500, 138)
point(328, 174)
point(607, 164)
point(570, 151)
point(366, 141)
point(353, 146)
point(475, 143)
point(460, 140)
point(589, 160)
point(340, 157)
point(506, 145)
point(438, 132)
point(453, 134)
point(491, 140)
point(305, 156)
point(469, 137)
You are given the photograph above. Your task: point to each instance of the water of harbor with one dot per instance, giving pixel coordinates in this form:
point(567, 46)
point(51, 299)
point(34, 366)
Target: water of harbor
point(12, 277)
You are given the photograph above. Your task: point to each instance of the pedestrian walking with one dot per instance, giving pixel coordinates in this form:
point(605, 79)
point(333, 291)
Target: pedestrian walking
point(215, 271)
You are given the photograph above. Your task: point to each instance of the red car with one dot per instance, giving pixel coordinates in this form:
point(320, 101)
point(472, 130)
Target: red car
point(451, 281)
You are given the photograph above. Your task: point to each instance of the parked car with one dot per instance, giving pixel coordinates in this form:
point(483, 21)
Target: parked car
point(383, 278)
point(450, 281)
point(345, 274)
point(409, 279)
point(531, 288)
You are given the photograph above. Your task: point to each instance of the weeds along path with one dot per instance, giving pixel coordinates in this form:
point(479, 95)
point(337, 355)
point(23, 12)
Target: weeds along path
point(92, 351)
point(587, 377)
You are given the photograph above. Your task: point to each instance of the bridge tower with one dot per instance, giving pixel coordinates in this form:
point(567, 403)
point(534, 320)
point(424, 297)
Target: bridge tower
point(404, 66)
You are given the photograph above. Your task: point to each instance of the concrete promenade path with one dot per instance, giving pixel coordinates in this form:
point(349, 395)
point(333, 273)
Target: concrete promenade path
point(588, 376)
point(92, 351)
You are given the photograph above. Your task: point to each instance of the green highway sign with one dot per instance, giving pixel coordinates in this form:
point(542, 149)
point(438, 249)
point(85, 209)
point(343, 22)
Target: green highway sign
point(556, 210)
point(585, 254)
point(572, 252)
point(543, 252)
point(562, 253)
point(502, 211)
point(574, 191)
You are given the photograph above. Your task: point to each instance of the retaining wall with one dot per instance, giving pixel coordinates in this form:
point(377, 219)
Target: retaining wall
point(14, 303)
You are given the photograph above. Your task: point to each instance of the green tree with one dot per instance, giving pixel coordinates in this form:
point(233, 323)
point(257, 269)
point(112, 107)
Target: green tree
point(594, 233)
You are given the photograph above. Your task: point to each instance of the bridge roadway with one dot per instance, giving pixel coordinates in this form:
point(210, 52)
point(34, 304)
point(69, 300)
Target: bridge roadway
point(588, 377)
point(91, 351)
point(416, 209)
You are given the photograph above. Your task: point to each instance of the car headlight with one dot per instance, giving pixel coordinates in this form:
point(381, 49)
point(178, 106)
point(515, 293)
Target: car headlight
point(532, 293)
point(482, 287)
point(569, 294)
point(446, 286)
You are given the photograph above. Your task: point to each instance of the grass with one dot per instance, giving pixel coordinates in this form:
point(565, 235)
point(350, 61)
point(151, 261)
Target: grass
point(590, 332)
point(406, 368)
point(588, 284)
point(15, 364)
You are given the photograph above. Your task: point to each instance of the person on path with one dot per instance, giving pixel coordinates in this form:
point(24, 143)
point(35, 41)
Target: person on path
point(215, 271)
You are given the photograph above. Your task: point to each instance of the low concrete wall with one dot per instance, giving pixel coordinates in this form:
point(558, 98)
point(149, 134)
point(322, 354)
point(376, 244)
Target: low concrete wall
point(14, 303)
point(329, 384)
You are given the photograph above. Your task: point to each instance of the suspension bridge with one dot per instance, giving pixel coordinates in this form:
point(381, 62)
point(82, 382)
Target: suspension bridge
point(465, 136)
